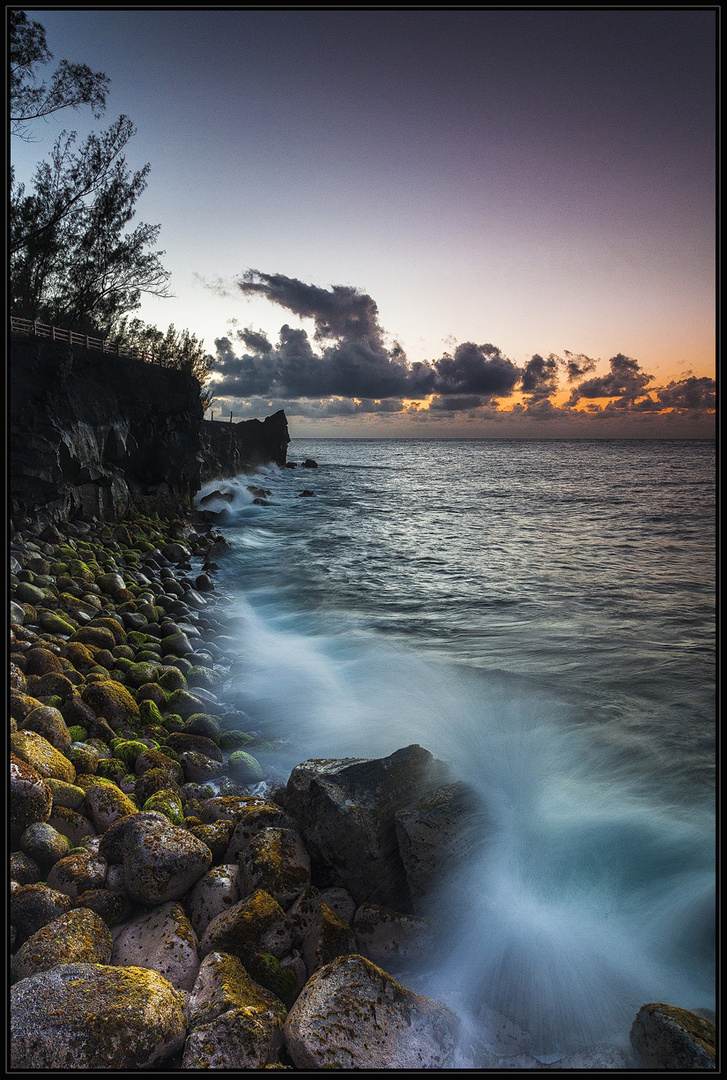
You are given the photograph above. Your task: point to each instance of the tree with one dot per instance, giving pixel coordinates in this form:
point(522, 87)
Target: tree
point(177, 348)
point(71, 86)
point(72, 261)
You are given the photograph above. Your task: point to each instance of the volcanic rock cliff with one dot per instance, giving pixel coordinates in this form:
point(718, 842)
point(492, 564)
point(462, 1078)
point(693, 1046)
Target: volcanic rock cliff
point(94, 435)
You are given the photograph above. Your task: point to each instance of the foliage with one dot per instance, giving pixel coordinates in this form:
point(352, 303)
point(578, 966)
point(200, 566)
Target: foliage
point(71, 85)
point(72, 261)
point(177, 348)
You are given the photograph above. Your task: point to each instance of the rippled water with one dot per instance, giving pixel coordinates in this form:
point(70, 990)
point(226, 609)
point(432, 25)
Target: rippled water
point(541, 615)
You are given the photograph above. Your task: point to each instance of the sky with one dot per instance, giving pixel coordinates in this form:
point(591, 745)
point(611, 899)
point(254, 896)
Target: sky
point(483, 222)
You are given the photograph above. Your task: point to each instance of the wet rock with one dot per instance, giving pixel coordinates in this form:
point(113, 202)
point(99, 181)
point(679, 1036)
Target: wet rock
point(49, 723)
point(198, 768)
point(431, 834)
point(77, 872)
point(78, 936)
point(44, 844)
point(23, 869)
point(215, 835)
point(92, 1016)
point(111, 907)
point(105, 805)
point(251, 814)
point(666, 1037)
point(112, 701)
point(327, 937)
point(235, 1024)
point(392, 939)
point(65, 794)
point(72, 823)
point(161, 939)
point(352, 1015)
point(346, 808)
point(244, 768)
point(33, 906)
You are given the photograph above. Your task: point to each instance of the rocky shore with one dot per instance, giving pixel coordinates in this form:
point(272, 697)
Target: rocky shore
point(174, 908)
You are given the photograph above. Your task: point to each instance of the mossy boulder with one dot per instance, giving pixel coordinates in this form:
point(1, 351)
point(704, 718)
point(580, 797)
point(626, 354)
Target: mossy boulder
point(167, 802)
point(113, 701)
point(244, 767)
point(93, 1016)
point(149, 713)
point(38, 752)
point(49, 723)
point(30, 797)
point(76, 936)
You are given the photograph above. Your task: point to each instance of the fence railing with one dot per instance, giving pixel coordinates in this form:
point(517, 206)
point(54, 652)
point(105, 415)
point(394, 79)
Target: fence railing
point(57, 333)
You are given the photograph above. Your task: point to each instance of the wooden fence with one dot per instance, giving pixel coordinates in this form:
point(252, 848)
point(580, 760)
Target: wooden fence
point(56, 333)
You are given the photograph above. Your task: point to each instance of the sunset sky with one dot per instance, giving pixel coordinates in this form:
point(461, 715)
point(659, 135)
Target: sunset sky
point(425, 222)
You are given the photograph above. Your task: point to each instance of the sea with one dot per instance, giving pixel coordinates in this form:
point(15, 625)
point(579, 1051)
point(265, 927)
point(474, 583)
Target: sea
point(539, 614)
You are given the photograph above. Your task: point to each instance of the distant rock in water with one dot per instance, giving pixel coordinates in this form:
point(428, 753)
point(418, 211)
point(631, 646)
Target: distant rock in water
point(309, 463)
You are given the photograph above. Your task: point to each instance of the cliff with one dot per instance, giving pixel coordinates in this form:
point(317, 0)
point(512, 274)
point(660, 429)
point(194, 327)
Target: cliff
point(230, 449)
point(93, 435)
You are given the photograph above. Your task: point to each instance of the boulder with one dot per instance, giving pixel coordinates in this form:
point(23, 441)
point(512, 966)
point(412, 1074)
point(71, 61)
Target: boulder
point(346, 809)
point(106, 804)
point(161, 861)
point(161, 939)
point(93, 1016)
point(77, 872)
point(30, 797)
point(214, 893)
point(431, 836)
point(49, 723)
point(235, 1024)
point(78, 936)
point(45, 759)
point(352, 1015)
point(666, 1037)
point(256, 924)
point(326, 938)
point(276, 861)
point(44, 844)
point(392, 939)
point(34, 906)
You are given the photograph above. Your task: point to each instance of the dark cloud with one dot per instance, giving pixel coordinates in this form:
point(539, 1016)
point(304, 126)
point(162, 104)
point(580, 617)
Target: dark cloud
point(577, 365)
point(475, 369)
point(255, 340)
point(348, 367)
point(540, 377)
point(354, 359)
point(340, 312)
point(691, 393)
point(626, 381)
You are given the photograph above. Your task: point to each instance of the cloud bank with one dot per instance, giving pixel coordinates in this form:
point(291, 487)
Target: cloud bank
point(349, 367)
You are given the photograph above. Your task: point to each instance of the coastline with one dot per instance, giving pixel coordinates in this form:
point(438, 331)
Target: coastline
point(118, 646)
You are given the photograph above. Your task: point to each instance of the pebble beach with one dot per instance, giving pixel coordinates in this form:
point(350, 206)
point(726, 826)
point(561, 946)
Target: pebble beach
point(171, 906)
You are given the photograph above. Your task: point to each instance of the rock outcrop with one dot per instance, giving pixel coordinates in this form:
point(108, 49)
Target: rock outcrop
point(96, 435)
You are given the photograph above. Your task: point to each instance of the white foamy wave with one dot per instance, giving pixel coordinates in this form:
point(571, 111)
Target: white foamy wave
point(580, 899)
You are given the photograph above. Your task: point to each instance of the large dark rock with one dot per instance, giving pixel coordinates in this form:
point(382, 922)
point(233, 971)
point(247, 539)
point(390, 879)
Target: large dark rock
point(356, 813)
point(665, 1037)
point(230, 449)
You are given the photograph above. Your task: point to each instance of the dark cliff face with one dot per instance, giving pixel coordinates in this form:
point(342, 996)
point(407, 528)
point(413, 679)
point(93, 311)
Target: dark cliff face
point(230, 449)
point(93, 435)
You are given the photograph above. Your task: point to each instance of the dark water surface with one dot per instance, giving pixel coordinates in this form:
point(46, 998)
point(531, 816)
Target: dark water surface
point(541, 615)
